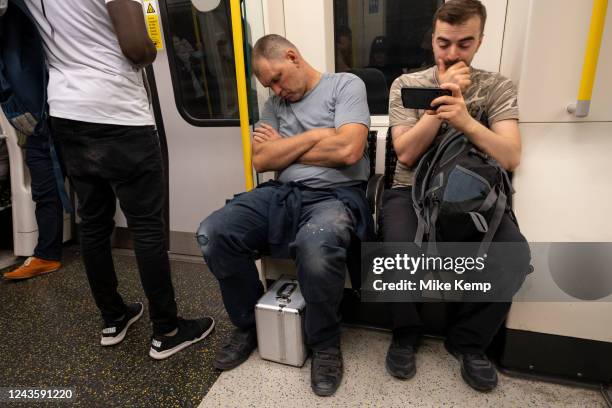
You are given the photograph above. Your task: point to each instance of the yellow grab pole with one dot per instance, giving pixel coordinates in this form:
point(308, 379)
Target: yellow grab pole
point(589, 68)
point(243, 104)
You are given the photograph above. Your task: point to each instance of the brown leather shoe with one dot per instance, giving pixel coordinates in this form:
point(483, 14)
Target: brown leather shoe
point(32, 267)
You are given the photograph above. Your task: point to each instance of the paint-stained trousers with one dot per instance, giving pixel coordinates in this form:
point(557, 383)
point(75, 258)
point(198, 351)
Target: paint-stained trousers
point(234, 236)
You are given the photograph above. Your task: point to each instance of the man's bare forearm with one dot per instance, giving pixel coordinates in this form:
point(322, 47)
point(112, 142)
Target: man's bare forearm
point(411, 143)
point(339, 148)
point(279, 154)
point(503, 147)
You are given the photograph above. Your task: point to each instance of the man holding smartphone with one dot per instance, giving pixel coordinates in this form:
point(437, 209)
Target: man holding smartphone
point(457, 35)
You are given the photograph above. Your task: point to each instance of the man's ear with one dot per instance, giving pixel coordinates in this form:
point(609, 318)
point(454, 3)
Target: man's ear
point(292, 56)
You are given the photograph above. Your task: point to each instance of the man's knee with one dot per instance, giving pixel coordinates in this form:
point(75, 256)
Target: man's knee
point(316, 242)
point(96, 230)
point(321, 261)
point(208, 234)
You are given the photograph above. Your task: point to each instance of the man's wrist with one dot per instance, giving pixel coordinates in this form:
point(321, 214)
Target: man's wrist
point(470, 127)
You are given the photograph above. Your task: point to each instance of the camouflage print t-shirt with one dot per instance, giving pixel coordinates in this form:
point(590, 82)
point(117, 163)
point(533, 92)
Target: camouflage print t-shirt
point(489, 90)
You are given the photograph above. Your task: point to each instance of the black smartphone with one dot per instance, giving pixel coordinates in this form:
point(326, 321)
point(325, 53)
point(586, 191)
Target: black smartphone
point(421, 97)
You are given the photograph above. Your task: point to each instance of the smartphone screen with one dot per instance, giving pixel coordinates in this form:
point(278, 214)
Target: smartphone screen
point(421, 97)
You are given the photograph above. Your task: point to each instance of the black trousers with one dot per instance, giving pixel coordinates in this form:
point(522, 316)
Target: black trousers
point(472, 324)
point(109, 162)
point(49, 212)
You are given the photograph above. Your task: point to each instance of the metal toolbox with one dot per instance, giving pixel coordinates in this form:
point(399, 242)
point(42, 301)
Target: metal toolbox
point(279, 318)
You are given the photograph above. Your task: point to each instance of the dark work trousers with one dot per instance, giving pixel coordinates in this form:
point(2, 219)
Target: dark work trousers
point(234, 236)
point(109, 162)
point(49, 211)
point(472, 324)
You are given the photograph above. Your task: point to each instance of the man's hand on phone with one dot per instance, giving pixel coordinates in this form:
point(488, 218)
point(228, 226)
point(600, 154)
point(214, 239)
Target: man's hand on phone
point(458, 73)
point(453, 109)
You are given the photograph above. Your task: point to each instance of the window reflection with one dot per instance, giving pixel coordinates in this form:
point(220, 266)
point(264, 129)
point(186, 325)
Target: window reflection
point(202, 61)
point(379, 40)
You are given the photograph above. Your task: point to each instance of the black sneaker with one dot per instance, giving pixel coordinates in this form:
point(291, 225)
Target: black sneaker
point(114, 333)
point(326, 371)
point(236, 349)
point(476, 370)
point(401, 360)
point(189, 332)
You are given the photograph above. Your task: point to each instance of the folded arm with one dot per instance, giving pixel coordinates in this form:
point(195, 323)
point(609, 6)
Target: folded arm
point(272, 152)
point(343, 147)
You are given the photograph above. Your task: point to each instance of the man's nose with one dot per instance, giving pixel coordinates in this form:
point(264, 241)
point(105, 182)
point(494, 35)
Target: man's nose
point(453, 53)
point(276, 89)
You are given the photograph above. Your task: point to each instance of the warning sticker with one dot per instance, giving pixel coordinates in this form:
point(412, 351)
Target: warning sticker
point(152, 22)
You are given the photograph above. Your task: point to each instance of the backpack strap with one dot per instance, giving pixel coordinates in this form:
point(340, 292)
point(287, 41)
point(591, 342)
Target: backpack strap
point(500, 209)
point(418, 194)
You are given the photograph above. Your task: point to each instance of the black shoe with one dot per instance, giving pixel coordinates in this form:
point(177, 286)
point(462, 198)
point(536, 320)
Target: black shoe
point(401, 360)
point(114, 333)
point(326, 371)
point(236, 349)
point(189, 332)
point(477, 370)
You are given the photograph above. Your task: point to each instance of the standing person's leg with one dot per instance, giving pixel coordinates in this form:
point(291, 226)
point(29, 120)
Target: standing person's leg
point(96, 208)
point(320, 246)
point(137, 177)
point(399, 224)
point(231, 238)
point(133, 165)
point(49, 212)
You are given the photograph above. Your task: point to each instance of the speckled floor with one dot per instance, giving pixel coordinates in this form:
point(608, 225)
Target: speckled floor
point(50, 333)
point(438, 383)
point(49, 336)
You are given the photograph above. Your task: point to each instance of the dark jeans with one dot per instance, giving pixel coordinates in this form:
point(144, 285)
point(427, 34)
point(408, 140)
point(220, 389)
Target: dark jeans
point(49, 212)
point(472, 324)
point(234, 236)
point(109, 162)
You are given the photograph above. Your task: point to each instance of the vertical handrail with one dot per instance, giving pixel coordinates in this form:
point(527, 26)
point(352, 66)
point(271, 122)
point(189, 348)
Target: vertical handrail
point(589, 67)
point(243, 104)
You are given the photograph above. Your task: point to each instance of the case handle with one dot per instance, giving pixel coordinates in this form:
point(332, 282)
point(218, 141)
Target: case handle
point(285, 291)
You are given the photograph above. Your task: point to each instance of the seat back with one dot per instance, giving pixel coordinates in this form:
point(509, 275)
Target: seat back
point(376, 88)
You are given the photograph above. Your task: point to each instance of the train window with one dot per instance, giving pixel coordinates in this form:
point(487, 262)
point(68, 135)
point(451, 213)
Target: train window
point(379, 40)
point(201, 57)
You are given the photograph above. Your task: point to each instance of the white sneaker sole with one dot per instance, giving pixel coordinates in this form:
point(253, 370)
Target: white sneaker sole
point(111, 341)
point(160, 355)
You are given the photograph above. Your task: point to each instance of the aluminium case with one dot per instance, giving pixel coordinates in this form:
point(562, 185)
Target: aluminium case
point(279, 319)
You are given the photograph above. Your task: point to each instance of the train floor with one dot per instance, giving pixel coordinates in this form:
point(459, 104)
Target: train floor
point(49, 328)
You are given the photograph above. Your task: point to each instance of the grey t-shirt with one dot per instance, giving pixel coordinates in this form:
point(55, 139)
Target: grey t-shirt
point(338, 99)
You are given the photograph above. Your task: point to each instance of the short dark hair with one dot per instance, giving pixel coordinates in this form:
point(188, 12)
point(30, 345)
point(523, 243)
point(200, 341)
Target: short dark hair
point(456, 12)
point(271, 47)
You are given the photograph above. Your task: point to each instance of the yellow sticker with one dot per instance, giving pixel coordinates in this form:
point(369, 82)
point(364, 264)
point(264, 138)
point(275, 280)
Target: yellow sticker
point(152, 22)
